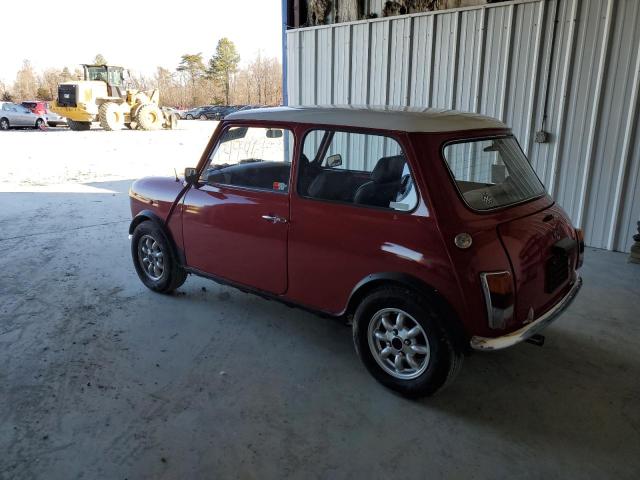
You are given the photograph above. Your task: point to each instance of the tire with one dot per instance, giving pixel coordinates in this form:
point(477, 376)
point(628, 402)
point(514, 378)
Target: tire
point(436, 361)
point(39, 124)
point(173, 121)
point(189, 117)
point(110, 116)
point(78, 126)
point(149, 117)
point(4, 124)
point(158, 270)
point(202, 116)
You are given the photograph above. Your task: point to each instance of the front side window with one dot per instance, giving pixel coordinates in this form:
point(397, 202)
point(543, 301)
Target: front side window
point(115, 77)
point(356, 168)
point(492, 173)
point(251, 157)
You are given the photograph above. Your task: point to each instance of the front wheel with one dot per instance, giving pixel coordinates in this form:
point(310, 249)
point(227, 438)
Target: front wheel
point(404, 343)
point(149, 117)
point(4, 124)
point(189, 117)
point(39, 124)
point(153, 259)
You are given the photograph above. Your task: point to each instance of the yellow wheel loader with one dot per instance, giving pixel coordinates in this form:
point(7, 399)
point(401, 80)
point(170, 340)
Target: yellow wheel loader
point(102, 97)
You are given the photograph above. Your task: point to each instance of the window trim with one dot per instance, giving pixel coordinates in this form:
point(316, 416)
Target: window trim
point(244, 187)
point(455, 184)
point(355, 130)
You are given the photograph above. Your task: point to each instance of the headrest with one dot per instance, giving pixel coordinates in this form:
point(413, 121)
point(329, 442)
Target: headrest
point(388, 169)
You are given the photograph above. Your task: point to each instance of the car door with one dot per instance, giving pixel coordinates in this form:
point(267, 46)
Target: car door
point(25, 116)
point(355, 213)
point(235, 221)
point(11, 112)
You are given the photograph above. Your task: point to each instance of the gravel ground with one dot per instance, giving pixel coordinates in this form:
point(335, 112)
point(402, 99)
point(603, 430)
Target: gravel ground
point(101, 378)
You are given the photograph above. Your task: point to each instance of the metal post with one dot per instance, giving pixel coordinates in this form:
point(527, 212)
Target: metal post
point(285, 22)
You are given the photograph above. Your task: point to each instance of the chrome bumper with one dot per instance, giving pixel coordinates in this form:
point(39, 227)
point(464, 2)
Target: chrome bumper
point(497, 343)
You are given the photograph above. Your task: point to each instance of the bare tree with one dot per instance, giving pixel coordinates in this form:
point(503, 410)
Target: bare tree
point(26, 84)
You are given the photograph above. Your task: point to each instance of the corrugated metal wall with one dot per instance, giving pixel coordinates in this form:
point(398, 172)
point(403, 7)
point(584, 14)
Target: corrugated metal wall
point(579, 83)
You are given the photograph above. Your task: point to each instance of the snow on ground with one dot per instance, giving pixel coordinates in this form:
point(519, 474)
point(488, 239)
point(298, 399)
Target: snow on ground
point(59, 159)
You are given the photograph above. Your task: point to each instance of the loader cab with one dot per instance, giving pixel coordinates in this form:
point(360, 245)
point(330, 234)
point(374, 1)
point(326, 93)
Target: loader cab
point(114, 77)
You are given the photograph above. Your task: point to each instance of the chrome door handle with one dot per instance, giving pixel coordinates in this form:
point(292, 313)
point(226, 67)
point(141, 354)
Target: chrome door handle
point(274, 219)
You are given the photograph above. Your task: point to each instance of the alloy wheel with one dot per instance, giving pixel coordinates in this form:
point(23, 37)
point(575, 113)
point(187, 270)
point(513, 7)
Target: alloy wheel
point(151, 257)
point(398, 343)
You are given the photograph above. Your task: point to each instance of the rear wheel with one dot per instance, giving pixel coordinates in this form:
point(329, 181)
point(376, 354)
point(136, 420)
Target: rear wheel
point(173, 121)
point(4, 124)
point(149, 117)
point(404, 343)
point(202, 116)
point(189, 117)
point(110, 116)
point(78, 126)
point(154, 260)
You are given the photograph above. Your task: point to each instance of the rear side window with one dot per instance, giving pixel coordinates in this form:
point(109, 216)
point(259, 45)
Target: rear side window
point(356, 168)
point(251, 157)
point(492, 173)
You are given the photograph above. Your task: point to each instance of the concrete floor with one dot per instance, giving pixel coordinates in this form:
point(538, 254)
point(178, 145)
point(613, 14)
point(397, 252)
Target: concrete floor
point(100, 378)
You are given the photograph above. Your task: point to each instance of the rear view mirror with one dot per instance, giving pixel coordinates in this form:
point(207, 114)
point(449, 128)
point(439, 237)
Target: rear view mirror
point(334, 160)
point(190, 175)
point(272, 133)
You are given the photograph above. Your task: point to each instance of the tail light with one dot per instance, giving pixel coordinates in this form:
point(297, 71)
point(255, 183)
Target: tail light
point(499, 298)
point(580, 240)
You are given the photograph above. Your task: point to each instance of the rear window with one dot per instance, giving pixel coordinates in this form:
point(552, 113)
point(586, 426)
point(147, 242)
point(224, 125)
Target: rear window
point(492, 172)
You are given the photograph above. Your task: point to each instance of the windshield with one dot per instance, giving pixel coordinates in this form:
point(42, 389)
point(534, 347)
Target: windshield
point(492, 173)
point(97, 73)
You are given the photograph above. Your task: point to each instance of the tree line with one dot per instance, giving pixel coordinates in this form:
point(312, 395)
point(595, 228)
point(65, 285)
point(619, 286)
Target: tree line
point(194, 82)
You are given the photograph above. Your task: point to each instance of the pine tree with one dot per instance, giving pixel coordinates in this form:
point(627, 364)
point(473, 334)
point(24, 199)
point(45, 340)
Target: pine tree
point(100, 60)
point(224, 64)
point(192, 65)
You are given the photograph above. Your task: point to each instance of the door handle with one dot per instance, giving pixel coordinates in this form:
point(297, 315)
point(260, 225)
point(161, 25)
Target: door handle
point(274, 219)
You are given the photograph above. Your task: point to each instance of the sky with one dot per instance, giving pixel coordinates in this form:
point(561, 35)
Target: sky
point(148, 34)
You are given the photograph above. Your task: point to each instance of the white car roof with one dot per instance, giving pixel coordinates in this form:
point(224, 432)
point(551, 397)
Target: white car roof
point(407, 119)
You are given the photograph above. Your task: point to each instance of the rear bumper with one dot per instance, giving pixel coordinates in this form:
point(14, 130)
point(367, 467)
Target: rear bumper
point(513, 338)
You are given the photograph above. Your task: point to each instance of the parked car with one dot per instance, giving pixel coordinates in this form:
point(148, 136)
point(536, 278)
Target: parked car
point(36, 106)
point(229, 110)
point(193, 113)
point(54, 120)
point(14, 115)
point(213, 112)
point(429, 229)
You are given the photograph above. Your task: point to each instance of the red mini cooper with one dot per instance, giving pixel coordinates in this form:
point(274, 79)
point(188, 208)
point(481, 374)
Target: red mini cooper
point(428, 228)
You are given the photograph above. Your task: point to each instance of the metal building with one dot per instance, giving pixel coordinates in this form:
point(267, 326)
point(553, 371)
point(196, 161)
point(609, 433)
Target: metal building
point(570, 68)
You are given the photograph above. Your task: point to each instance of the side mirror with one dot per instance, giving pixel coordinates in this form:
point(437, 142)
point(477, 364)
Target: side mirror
point(190, 175)
point(334, 160)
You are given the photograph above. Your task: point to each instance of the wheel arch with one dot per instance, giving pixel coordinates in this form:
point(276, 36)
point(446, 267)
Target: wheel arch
point(435, 299)
point(150, 216)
